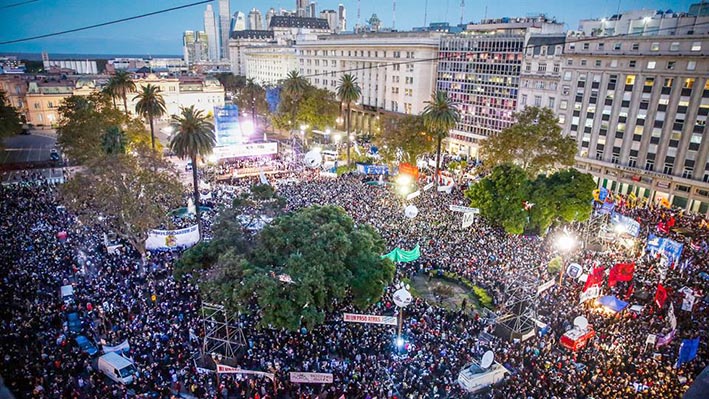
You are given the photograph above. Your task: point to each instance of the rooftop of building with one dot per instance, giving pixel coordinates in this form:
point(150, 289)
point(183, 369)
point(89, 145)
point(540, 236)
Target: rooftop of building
point(381, 35)
point(252, 34)
point(278, 21)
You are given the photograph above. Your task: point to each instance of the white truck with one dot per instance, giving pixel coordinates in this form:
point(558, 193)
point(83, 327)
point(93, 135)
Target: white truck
point(475, 377)
point(117, 368)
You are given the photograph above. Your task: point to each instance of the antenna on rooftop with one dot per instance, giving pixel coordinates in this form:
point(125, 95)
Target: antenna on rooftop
point(425, 14)
point(359, 20)
point(462, 11)
point(393, 16)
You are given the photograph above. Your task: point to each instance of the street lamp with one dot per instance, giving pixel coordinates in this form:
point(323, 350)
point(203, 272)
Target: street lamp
point(565, 243)
point(217, 357)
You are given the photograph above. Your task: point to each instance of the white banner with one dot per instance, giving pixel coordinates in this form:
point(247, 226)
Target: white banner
point(122, 347)
point(311, 378)
point(688, 302)
point(244, 150)
point(468, 219)
point(369, 319)
point(224, 369)
point(413, 195)
point(671, 317)
point(428, 186)
point(545, 286)
point(593, 292)
point(167, 239)
point(651, 339)
point(458, 208)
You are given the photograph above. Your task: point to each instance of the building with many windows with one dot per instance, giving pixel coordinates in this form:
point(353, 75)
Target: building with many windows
point(541, 71)
point(204, 93)
point(395, 71)
point(43, 99)
point(481, 69)
point(268, 65)
point(246, 40)
point(638, 107)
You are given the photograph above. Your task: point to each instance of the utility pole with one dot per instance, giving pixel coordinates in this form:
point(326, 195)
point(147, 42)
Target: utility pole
point(462, 11)
point(393, 17)
point(425, 14)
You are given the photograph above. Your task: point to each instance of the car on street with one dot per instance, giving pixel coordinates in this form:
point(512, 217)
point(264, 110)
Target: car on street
point(54, 155)
point(86, 345)
point(73, 322)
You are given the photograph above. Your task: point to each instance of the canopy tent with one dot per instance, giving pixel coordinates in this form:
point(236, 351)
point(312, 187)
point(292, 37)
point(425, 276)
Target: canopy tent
point(400, 255)
point(612, 303)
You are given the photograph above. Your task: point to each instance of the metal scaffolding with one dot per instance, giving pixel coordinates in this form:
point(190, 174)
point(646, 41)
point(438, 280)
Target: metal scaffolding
point(222, 333)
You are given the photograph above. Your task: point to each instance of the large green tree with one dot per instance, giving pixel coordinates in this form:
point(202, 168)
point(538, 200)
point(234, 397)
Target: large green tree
point(500, 197)
point(232, 83)
point(534, 142)
point(348, 91)
point(301, 266)
point(150, 105)
point(194, 137)
point(124, 194)
point(10, 121)
point(83, 121)
point(563, 196)
point(439, 117)
point(405, 134)
point(113, 141)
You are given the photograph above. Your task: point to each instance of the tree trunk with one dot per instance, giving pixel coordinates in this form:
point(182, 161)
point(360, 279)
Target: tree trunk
point(349, 142)
point(438, 160)
point(152, 132)
point(114, 101)
point(195, 183)
point(125, 102)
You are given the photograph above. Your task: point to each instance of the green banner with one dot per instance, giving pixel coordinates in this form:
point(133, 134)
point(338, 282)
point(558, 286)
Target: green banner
point(400, 255)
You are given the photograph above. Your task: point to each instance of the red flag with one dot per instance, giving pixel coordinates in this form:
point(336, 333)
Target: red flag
point(660, 295)
point(630, 291)
point(595, 278)
point(671, 222)
point(621, 272)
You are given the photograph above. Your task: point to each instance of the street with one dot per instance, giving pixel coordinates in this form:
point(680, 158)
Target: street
point(21, 150)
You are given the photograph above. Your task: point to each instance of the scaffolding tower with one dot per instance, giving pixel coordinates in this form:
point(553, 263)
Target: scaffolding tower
point(222, 333)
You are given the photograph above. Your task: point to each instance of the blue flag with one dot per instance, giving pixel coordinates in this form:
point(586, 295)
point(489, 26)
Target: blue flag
point(688, 351)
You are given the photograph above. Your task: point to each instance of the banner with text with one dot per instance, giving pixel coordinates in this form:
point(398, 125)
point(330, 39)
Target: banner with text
point(224, 369)
point(310, 378)
point(168, 239)
point(369, 319)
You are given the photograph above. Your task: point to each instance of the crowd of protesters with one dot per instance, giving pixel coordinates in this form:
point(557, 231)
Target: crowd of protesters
point(118, 300)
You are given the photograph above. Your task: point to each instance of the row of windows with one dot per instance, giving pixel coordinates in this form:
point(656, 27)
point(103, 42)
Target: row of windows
point(654, 46)
point(360, 53)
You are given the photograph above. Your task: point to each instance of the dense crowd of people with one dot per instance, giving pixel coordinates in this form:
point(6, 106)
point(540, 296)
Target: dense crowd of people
point(118, 300)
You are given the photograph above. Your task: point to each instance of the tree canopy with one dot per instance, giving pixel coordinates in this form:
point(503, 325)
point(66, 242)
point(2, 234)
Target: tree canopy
point(406, 134)
point(298, 268)
point(508, 197)
point(83, 122)
point(315, 107)
point(124, 194)
point(534, 142)
point(10, 121)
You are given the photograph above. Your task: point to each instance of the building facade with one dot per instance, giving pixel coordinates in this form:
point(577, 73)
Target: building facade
point(638, 108)
point(341, 18)
point(481, 71)
point(395, 71)
point(224, 28)
point(541, 71)
point(243, 40)
point(239, 22)
point(210, 27)
point(15, 89)
point(269, 65)
point(204, 93)
point(331, 17)
point(255, 20)
point(43, 100)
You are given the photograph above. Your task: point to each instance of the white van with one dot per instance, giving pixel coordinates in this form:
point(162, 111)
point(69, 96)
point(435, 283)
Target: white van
point(67, 294)
point(474, 378)
point(329, 155)
point(117, 368)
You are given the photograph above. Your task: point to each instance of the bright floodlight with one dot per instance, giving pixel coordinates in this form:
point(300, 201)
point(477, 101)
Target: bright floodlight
point(619, 229)
point(565, 242)
point(399, 342)
point(247, 128)
point(403, 180)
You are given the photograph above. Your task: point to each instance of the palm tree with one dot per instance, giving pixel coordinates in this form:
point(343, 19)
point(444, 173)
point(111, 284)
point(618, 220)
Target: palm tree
point(110, 90)
point(113, 141)
point(150, 105)
point(122, 83)
point(194, 136)
point(294, 88)
point(349, 91)
point(439, 117)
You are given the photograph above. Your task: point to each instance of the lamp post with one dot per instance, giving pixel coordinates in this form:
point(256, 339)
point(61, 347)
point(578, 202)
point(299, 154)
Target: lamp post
point(402, 298)
point(565, 243)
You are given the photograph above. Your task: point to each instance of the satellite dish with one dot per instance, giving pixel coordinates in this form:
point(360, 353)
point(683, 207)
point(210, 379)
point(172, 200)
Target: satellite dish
point(487, 359)
point(574, 270)
point(411, 211)
point(312, 159)
point(581, 322)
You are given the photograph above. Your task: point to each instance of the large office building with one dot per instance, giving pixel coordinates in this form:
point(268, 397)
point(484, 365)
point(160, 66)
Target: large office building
point(204, 93)
point(541, 72)
point(255, 20)
point(341, 18)
point(195, 47)
point(239, 22)
point(481, 69)
point(268, 65)
point(395, 71)
point(210, 28)
point(638, 106)
point(245, 40)
point(224, 28)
